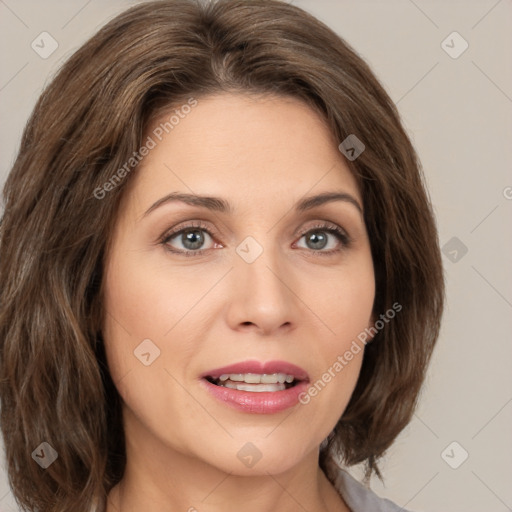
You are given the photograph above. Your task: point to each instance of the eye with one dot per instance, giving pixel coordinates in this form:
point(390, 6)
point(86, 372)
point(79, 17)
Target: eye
point(191, 237)
point(318, 238)
point(189, 240)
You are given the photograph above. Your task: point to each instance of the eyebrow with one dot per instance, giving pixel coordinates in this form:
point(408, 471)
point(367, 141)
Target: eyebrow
point(220, 205)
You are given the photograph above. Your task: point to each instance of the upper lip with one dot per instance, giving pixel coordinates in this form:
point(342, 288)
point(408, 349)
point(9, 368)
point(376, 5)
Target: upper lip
point(268, 367)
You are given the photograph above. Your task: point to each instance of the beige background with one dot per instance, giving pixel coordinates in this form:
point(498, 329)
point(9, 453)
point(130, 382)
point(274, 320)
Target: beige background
point(458, 113)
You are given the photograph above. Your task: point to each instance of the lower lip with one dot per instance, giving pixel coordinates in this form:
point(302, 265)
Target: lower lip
point(265, 402)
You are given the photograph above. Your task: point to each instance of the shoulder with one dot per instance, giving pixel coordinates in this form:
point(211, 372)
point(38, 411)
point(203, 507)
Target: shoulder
point(360, 498)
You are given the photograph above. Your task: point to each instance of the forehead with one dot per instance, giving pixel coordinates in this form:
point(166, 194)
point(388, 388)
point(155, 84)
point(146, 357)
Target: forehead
point(242, 146)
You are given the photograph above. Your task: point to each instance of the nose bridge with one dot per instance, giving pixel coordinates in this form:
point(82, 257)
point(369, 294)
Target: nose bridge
point(260, 261)
point(264, 295)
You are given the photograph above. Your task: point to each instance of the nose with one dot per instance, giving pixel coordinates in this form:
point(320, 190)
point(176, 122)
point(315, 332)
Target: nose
point(262, 294)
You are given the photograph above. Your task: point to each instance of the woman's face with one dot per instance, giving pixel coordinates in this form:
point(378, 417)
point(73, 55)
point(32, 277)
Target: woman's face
point(273, 284)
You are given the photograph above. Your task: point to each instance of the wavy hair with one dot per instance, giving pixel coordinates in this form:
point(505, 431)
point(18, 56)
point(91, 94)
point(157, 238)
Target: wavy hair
point(55, 385)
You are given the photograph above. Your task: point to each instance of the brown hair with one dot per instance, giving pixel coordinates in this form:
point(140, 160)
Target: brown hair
point(54, 382)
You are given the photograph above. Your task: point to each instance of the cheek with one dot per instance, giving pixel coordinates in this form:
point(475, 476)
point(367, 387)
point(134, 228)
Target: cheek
point(137, 315)
point(329, 392)
point(148, 295)
point(135, 298)
point(140, 312)
point(148, 345)
point(346, 303)
point(345, 307)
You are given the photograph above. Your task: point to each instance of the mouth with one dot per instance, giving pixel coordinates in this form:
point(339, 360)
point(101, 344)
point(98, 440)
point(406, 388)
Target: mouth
point(257, 377)
point(255, 382)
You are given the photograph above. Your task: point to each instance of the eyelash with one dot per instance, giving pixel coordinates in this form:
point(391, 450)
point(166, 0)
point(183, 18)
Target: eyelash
point(325, 226)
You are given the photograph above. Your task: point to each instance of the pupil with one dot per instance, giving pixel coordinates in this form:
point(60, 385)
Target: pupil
point(315, 237)
point(190, 239)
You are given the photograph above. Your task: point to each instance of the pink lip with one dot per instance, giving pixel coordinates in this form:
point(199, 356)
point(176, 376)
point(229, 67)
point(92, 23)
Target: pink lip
point(267, 402)
point(258, 367)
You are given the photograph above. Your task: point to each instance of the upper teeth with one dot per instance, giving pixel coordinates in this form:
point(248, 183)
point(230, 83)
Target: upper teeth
point(256, 378)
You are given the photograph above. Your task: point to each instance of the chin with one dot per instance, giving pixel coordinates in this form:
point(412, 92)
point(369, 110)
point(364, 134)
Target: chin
point(260, 457)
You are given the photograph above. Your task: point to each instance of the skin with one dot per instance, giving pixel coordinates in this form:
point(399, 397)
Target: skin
point(293, 303)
